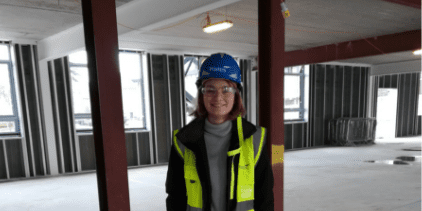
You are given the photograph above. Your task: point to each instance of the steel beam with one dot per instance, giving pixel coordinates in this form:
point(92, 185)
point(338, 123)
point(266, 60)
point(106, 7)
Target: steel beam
point(271, 31)
point(410, 3)
point(100, 29)
point(404, 41)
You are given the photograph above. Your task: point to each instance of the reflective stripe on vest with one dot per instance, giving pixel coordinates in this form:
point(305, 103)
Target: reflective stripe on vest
point(246, 172)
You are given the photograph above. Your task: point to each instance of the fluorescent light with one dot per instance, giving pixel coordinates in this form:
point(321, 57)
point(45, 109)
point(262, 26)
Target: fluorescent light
point(216, 27)
point(418, 52)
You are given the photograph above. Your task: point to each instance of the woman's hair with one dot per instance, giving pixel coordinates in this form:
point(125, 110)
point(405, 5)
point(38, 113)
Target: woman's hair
point(201, 111)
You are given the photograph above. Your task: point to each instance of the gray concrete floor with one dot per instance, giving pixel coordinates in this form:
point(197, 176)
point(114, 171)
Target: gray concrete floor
point(333, 178)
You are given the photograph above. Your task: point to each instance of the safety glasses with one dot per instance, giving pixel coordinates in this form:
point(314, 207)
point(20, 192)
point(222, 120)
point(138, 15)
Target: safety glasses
point(211, 91)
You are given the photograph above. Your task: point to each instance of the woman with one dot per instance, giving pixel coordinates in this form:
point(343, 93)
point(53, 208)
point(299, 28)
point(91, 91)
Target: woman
point(219, 161)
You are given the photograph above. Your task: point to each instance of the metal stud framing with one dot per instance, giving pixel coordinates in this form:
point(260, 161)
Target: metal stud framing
point(170, 133)
point(334, 91)
point(56, 110)
point(181, 90)
point(313, 125)
point(154, 128)
point(342, 94)
point(148, 77)
point(72, 128)
point(6, 162)
point(398, 104)
point(29, 135)
point(68, 114)
point(351, 93)
point(360, 78)
point(38, 98)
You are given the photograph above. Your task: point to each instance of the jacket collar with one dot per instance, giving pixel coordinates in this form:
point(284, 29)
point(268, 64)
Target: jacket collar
point(192, 135)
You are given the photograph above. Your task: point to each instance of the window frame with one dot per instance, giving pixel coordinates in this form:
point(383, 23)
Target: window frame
point(13, 92)
point(301, 108)
point(142, 90)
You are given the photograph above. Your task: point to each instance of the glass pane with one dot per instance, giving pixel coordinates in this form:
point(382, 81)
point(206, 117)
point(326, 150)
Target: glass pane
point(295, 69)
point(7, 127)
point(83, 123)
point(80, 90)
point(4, 52)
point(130, 75)
point(190, 87)
point(291, 115)
point(6, 104)
point(291, 91)
point(79, 57)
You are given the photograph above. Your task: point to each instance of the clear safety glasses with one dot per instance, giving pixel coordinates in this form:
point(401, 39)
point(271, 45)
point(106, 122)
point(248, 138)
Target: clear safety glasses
point(211, 91)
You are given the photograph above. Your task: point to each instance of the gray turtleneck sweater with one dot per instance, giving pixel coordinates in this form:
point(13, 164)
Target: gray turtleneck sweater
point(217, 141)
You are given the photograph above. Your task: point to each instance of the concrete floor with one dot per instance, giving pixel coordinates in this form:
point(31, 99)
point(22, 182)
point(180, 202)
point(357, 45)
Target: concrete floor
point(332, 178)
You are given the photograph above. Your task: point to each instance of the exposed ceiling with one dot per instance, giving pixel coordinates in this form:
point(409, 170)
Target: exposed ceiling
point(176, 24)
point(38, 19)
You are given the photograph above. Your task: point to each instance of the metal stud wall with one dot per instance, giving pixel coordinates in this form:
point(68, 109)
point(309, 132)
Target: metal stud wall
point(76, 150)
point(408, 123)
point(166, 91)
point(25, 156)
point(335, 91)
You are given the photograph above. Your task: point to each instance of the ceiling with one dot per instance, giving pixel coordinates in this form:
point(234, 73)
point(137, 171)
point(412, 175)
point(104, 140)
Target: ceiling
point(176, 24)
point(38, 19)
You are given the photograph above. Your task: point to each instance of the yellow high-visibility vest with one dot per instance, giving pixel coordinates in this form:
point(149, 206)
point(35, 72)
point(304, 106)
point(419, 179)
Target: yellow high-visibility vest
point(246, 172)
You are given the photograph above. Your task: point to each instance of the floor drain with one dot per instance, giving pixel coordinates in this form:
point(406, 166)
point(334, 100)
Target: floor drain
point(389, 162)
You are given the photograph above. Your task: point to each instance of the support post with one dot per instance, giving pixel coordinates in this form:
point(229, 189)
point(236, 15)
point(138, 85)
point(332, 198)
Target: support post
point(100, 29)
point(271, 83)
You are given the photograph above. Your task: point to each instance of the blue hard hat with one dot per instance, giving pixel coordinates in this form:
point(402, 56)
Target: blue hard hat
point(220, 65)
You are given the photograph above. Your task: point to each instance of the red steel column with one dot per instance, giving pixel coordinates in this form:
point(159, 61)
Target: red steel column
point(100, 25)
point(271, 99)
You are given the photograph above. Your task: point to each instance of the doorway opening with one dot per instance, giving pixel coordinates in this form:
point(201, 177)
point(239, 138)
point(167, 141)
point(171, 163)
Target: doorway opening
point(386, 114)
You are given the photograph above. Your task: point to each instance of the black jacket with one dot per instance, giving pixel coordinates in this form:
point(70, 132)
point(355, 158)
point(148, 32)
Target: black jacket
point(192, 137)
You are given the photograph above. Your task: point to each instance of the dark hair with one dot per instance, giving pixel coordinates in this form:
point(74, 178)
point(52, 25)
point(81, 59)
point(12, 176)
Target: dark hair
point(201, 111)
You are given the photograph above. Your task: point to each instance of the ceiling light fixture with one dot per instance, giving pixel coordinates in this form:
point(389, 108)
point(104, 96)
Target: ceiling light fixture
point(418, 52)
point(216, 27)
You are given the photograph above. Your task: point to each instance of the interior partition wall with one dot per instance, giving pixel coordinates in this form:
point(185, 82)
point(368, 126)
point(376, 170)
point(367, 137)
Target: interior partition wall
point(335, 91)
point(23, 154)
point(75, 148)
point(167, 102)
point(408, 122)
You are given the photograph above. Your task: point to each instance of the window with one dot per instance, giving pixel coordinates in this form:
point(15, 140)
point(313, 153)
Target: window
point(9, 118)
point(192, 65)
point(294, 93)
point(132, 90)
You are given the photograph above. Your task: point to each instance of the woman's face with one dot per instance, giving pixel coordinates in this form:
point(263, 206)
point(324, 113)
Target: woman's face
point(219, 105)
